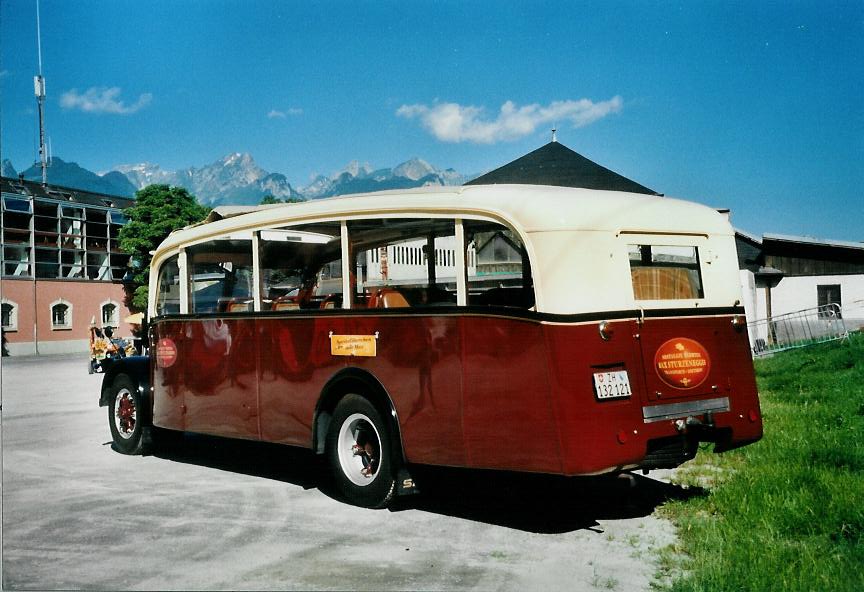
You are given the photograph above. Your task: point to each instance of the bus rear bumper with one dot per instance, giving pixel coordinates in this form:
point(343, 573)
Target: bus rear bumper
point(665, 437)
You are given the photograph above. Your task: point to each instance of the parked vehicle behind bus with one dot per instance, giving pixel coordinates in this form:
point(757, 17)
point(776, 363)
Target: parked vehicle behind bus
point(523, 328)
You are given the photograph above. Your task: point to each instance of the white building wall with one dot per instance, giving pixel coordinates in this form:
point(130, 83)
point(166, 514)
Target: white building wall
point(751, 297)
point(798, 293)
point(793, 294)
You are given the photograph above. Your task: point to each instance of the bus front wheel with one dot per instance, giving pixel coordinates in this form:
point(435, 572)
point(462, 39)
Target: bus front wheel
point(360, 453)
point(124, 416)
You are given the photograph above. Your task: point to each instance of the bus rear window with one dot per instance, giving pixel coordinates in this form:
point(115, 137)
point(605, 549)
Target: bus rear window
point(665, 272)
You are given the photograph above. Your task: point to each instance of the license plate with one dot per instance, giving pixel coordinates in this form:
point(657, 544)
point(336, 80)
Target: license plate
point(612, 385)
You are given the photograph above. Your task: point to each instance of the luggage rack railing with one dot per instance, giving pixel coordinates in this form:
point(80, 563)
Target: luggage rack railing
point(797, 329)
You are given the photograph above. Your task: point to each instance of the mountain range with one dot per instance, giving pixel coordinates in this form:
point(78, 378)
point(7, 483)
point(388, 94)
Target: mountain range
point(69, 174)
point(237, 180)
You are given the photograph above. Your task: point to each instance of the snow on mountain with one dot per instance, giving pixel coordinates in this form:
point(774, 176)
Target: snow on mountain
point(356, 178)
point(355, 169)
point(233, 179)
point(143, 174)
point(414, 169)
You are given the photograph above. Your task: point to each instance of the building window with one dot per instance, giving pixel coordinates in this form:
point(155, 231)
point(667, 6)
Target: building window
point(61, 315)
point(110, 314)
point(828, 299)
point(9, 315)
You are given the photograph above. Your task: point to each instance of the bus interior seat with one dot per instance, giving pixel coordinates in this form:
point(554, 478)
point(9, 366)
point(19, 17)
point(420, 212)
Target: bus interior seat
point(239, 305)
point(331, 301)
point(387, 298)
point(283, 303)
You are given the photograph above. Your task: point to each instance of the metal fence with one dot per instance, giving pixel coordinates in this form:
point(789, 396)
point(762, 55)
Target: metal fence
point(797, 329)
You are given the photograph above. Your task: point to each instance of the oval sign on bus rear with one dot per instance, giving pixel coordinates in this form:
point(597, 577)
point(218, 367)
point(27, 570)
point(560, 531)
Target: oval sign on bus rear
point(166, 353)
point(682, 363)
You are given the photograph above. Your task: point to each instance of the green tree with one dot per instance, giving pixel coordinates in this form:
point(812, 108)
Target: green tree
point(158, 211)
point(269, 199)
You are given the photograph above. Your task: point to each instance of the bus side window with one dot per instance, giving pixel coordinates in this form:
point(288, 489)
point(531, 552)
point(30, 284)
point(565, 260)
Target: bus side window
point(168, 288)
point(220, 276)
point(301, 267)
point(403, 262)
point(499, 272)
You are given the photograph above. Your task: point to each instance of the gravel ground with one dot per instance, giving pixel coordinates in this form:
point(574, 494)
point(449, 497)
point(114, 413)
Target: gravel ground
point(214, 514)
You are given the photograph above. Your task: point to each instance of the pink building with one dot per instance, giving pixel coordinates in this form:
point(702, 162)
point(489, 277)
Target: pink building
point(61, 267)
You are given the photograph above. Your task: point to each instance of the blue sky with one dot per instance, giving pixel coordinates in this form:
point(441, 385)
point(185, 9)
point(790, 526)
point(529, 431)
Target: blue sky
point(753, 106)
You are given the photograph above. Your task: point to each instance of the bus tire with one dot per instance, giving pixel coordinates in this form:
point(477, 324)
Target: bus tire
point(360, 453)
point(125, 410)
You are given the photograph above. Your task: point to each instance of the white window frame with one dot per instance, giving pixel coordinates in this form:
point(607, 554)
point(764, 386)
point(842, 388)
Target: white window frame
point(13, 316)
point(69, 311)
point(115, 320)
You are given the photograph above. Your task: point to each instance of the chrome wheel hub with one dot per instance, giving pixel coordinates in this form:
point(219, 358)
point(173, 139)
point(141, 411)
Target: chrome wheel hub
point(359, 449)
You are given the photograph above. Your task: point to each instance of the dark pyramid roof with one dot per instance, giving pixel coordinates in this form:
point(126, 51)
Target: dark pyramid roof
point(556, 164)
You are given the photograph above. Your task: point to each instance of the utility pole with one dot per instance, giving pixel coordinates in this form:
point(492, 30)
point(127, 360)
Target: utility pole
point(39, 87)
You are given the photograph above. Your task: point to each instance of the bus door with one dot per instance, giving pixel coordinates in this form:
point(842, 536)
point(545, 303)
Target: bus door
point(221, 350)
point(169, 374)
point(683, 350)
point(166, 340)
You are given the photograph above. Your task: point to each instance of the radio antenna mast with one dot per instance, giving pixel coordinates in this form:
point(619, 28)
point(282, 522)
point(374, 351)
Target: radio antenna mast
point(39, 87)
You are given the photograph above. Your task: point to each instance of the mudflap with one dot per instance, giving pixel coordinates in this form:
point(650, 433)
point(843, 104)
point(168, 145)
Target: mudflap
point(405, 484)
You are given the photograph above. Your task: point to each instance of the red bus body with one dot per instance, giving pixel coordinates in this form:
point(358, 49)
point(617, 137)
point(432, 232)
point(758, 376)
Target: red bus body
point(519, 397)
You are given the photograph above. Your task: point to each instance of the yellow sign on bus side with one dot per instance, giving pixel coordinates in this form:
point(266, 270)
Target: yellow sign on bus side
point(353, 345)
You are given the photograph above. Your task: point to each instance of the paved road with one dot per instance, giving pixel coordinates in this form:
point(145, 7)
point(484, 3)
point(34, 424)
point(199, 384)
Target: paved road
point(223, 515)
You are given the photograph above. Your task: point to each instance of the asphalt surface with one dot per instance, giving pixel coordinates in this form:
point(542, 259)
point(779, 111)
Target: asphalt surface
point(215, 514)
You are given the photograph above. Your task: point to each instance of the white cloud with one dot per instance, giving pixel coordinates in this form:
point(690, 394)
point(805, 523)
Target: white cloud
point(451, 122)
point(276, 114)
point(100, 99)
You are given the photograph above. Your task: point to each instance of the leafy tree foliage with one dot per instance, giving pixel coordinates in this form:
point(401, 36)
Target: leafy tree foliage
point(158, 211)
point(269, 199)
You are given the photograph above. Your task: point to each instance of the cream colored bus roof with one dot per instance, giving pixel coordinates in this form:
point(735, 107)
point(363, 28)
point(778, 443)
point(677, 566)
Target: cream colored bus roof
point(529, 208)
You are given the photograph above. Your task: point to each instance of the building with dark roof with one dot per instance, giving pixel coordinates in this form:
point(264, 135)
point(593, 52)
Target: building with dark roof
point(556, 164)
point(61, 265)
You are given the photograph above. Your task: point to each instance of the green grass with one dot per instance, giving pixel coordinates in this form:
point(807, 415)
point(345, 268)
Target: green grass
point(786, 513)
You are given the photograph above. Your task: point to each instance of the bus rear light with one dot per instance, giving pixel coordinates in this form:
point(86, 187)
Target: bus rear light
point(622, 437)
point(753, 416)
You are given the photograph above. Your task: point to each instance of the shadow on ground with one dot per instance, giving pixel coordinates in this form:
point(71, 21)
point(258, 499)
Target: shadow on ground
point(533, 503)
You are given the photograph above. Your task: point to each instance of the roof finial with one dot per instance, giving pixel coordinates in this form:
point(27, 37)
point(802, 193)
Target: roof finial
point(554, 138)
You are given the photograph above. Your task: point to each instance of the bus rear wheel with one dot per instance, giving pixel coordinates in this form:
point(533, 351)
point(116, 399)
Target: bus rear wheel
point(360, 454)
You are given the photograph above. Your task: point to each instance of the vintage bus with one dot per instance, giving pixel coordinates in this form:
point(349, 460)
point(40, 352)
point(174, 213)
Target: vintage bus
point(520, 328)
